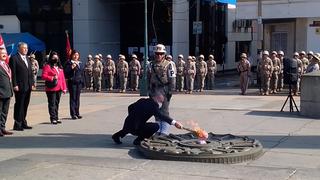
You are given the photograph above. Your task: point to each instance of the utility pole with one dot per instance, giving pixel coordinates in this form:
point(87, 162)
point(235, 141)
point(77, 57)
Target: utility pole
point(144, 83)
point(197, 34)
point(259, 26)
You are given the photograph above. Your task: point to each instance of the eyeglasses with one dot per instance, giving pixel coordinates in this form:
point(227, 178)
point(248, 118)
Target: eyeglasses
point(159, 54)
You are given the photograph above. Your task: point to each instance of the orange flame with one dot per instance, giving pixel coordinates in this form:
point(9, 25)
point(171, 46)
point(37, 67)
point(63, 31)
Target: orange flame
point(200, 133)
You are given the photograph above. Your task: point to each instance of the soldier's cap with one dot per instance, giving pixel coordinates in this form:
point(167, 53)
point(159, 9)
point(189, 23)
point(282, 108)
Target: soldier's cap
point(90, 56)
point(160, 48)
point(109, 56)
point(303, 52)
point(32, 56)
point(310, 53)
point(211, 56)
point(193, 57)
point(201, 56)
point(169, 56)
point(295, 54)
point(281, 53)
point(121, 56)
point(180, 56)
point(190, 57)
point(274, 52)
point(265, 53)
point(100, 55)
point(243, 55)
point(96, 57)
point(134, 56)
point(316, 56)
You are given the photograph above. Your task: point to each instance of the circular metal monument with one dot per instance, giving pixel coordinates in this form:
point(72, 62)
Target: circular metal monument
point(218, 148)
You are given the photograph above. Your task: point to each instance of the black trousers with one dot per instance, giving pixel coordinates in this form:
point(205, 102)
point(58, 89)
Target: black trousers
point(74, 101)
point(144, 131)
point(4, 108)
point(53, 104)
point(22, 99)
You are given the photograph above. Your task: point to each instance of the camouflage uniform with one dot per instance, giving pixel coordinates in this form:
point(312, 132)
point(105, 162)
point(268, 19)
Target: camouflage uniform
point(304, 60)
point(109, 72)
point(97, 69)
point(190, 73)
point(201, 72)
point(265, 68)
point(122, 71)
point(134, 68)
point(180, 74)
point(244, 70)
point(35, 68)
point(212, 69)
point(296, 88)
point(173, 69)
point(280, 76)
point(160, 80)
point(275, 73)
point(88, 72)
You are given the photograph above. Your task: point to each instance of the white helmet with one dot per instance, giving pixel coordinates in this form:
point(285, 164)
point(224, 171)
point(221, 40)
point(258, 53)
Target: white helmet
point(90, 56)
point(169, 56)
point(310, 53)
point(201, 56)
point(281, 53)
point(122, 57)
point(243, 55)
point(303, 52)
point(180, 56)
point(295, 54)
point(96, 57)
point(160, 48)
point(265, 53)
point(274, 52)
point(190, 58)
point(100, 55)
point(109, 56)
point(211, 56)
point(134, 56)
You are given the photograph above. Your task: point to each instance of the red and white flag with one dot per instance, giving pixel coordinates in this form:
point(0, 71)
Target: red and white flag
point(3, 46)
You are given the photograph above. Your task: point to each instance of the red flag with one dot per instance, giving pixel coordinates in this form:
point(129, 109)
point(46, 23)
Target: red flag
point(68, 46)
point(3, 46)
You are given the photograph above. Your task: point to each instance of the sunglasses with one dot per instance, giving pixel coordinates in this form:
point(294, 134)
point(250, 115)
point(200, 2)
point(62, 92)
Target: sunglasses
point(159, 54)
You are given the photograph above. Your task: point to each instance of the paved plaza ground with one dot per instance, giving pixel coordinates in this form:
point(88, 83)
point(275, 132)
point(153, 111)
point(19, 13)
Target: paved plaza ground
point(83, 149)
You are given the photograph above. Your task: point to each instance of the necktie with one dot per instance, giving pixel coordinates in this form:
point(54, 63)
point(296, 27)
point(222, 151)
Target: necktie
point(25, 60)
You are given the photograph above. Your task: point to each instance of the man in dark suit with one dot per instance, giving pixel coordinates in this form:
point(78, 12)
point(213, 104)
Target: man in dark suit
point(22, 82)
point(5, 92)
point(138, 115)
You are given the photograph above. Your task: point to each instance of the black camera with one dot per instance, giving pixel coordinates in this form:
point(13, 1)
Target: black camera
point(290, 71)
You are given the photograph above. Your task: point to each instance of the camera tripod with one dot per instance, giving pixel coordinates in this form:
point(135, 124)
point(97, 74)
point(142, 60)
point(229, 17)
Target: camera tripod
point(291, 101)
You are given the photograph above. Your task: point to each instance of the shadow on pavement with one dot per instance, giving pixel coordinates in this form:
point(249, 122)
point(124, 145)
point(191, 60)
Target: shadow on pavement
point(73, 140)
point(64, 140)
point(278, 114)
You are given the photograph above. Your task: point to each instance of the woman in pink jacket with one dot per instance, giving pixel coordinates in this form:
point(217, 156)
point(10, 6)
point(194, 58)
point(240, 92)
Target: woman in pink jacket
point(53, 74)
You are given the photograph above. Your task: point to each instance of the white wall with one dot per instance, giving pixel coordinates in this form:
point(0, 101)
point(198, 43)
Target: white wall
point(313, 39)
point(180, 28)
point(11, 24)
point(279, 9)
point(96, 27)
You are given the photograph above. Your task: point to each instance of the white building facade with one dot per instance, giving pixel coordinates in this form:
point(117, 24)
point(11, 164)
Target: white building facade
point(288, 25)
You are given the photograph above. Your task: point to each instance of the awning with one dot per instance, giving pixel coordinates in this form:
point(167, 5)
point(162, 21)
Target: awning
point(233, 2)
point(11, 41)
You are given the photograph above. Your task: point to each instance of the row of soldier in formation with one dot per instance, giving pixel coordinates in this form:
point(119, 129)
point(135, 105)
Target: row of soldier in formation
point(194, 72)
point(270, 70)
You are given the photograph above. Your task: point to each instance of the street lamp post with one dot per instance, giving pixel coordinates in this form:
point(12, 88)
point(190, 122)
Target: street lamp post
point(144, 83)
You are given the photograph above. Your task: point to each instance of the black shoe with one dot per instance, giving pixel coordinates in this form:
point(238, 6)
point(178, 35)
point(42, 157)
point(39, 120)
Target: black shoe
point(26, 127)
point(18, 129)
point(58, 121)
point(54, 122)
point(73, 117)
point(116, 139)
point(137, 141)
point(79, 117)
